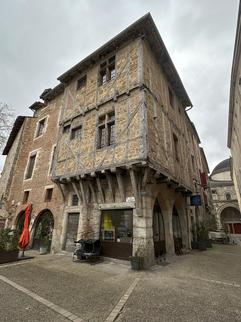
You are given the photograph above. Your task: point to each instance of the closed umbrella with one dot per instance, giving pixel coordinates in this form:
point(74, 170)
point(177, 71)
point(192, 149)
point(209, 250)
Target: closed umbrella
point(25, 236)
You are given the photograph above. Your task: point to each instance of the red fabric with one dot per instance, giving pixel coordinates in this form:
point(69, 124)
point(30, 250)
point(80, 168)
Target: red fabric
point(203, 178)
point(24, 238)
point(237, 228)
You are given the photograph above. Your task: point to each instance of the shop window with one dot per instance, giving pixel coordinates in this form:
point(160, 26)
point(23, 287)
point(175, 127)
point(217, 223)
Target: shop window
point(106, 130)
point(25, 196)
point(48, 194)
point(75, 200)
point(107, 71)
point(117, 226)
point(176, 148)
point(76, 133)
point(40, 127)
point(31, 163)
point(81, 82)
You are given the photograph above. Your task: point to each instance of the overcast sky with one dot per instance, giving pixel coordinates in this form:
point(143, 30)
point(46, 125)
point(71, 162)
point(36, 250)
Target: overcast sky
point(39, 40)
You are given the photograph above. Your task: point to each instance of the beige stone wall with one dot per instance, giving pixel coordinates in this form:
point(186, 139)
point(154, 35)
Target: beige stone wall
point(120, 95)
point(164, 120)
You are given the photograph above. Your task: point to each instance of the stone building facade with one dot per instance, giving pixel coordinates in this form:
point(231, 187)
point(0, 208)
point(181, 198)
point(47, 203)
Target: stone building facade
point(228, 216)
point(123, 153)
point(234, 121)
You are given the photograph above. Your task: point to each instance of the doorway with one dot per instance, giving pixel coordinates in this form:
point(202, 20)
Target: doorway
point(72, 230)
point(158, 231)
point(177, 232)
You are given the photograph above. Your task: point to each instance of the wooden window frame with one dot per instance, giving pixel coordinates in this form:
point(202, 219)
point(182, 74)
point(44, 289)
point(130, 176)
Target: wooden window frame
point(41, 126)
point(48, 194)
point(74, 130)
point(81, 82)
point(107, 70)
point(29, 175)
point(74, 199)
point(26, 194)
point(106, 124)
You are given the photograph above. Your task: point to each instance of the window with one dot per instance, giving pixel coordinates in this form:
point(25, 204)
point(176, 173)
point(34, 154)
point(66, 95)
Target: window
point(171, 97)
point(25, 196)
point(106, 130)
point(81, 82)
point(228, 196)
point(117, 226)
point(48, 194)
point(176, 148)
point(40, 128)
point(75, 200)
point(214, 191)
point(31, 163)
point(76, 133)
point(107, 71)
point(66, 128)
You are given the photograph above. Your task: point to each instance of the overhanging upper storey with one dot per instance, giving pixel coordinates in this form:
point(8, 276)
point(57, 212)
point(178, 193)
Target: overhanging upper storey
point(144, 27)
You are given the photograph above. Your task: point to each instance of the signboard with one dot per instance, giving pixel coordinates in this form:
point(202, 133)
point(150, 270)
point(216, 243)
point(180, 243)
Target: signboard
point(195, 200)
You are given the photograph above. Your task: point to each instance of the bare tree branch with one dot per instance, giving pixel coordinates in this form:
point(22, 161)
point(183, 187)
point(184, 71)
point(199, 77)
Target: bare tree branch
point(6, 122)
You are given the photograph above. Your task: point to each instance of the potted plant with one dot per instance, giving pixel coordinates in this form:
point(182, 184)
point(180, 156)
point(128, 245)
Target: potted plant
point(137, 261)
point(8, 245)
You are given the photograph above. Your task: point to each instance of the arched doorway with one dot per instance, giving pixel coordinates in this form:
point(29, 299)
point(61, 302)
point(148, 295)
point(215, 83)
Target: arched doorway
point(43, 229)
point(230, 218)
point(20, 222)
point(158, 231)
point(177, 232)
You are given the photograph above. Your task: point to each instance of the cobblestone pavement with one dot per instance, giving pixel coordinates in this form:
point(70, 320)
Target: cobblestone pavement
point(200, 286)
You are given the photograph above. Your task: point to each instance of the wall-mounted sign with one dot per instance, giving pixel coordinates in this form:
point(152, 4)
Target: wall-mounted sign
point(195, 200)
point(130, 199)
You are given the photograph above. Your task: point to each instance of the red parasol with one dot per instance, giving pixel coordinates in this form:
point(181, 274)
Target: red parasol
point(24, 238)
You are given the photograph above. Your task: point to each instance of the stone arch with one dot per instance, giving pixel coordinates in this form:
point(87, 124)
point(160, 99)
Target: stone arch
point(177, 230)
point(158, 230)
point(228, 217)
point(43, 225)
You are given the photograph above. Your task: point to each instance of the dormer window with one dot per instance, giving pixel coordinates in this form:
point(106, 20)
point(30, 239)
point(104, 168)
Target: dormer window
point(107, 71)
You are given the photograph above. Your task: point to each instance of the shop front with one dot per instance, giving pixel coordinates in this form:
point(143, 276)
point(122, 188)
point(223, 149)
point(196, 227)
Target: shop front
point(116, 233)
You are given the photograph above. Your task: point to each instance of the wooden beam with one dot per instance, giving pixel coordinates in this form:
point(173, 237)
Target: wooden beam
point(90, 184)
point(121, 186)
point(76, 190)
point(61, 190)
point(134, 183)
point(146, 176)
point(83, 193)
point(100, 190)
point(110, 185)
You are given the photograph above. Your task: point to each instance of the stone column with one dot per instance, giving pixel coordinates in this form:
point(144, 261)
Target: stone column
point(142, 228)
point(167, 218)
point(64, 230)
point(182, 213)
point(83, 226)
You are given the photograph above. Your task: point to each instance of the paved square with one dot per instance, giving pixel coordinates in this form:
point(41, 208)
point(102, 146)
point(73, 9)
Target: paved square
point(200, 286)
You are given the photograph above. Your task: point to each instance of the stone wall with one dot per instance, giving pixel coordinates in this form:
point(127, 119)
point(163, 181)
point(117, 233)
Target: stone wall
point(41, 178)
